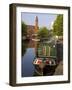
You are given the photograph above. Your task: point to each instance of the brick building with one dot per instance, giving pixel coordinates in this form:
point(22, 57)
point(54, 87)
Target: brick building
point(32, 30)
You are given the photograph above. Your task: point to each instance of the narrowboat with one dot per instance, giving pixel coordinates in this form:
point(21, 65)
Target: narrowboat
point(44, 65)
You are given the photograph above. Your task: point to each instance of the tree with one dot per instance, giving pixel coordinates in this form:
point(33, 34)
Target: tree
point(58, 26)
point(24, 29)
point(43, 32)
point(50, 33)
point(24, 33)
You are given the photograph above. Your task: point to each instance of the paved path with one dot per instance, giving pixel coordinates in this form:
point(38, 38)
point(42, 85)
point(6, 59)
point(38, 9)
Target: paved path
point(59, 69)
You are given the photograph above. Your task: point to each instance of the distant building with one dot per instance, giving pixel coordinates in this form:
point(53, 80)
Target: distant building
point(36, 25)
point(32, 30)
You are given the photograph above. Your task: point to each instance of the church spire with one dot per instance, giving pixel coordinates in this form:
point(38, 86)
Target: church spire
point(36, 24)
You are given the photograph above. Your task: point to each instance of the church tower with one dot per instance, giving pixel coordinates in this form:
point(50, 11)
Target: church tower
point(36, 25)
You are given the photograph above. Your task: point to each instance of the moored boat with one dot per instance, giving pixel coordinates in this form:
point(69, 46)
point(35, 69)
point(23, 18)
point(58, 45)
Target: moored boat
point(43, 65)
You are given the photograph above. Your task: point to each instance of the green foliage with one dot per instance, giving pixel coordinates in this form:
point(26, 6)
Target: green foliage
point(43, 32)
point(58, 26)
point(24, 29)
point(50, 33)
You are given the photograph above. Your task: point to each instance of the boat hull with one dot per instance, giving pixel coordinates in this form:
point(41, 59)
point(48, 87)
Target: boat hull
point(46, 67)
point(47, 70)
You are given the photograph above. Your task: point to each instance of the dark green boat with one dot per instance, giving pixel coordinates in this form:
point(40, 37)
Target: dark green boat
point(45, 60)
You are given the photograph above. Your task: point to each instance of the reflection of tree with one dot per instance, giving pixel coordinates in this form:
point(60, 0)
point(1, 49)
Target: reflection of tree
point(28, 44)
point(24, 46)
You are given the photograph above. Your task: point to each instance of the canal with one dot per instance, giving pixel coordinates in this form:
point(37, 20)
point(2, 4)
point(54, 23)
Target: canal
point(28, 54)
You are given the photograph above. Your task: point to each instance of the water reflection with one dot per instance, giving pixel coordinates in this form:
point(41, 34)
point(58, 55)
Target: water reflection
point(27, 59)
point(28, 55)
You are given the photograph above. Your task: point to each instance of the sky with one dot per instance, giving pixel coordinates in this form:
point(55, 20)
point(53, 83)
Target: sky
point(44, 19)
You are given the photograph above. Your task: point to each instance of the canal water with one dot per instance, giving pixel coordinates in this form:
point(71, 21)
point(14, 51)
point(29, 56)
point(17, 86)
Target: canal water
point(28, 55)
point(27, 65)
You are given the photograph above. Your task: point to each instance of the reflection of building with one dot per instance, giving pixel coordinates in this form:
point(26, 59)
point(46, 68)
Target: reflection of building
point(32, 30)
